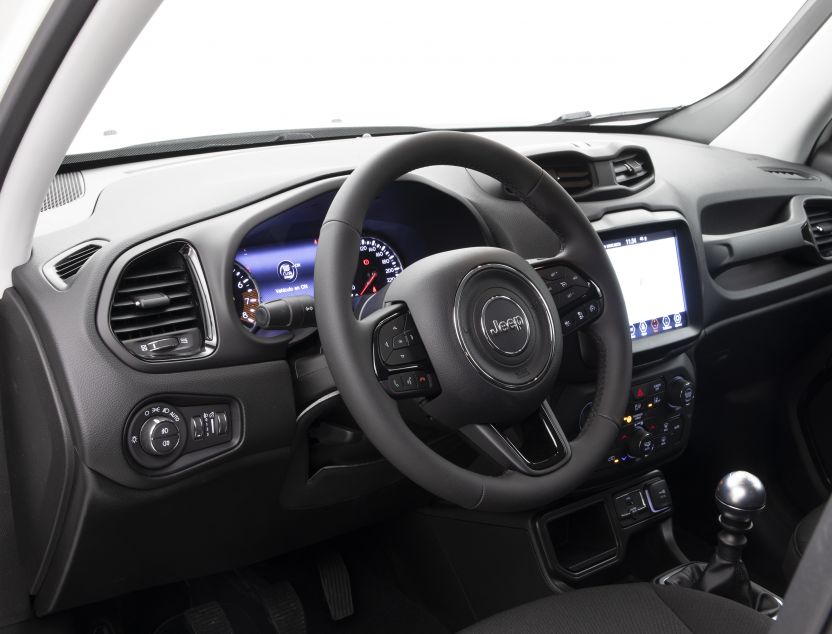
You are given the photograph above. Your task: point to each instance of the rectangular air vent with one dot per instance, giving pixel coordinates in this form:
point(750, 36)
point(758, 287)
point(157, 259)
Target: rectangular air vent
point(632, 169)
point(575, 177)
point(819, 214)
point(157, 310)
point(61, 270)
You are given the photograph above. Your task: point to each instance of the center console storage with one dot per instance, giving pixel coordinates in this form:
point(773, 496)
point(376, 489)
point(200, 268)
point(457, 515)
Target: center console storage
point(587, 536)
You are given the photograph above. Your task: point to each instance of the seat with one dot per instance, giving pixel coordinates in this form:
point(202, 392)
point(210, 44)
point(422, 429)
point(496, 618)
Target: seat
point(638, 608)
point(800, 539)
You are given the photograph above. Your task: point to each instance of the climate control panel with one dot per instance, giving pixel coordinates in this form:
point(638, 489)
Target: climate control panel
point(656, 419)
point(656, 422)
point(180, 430)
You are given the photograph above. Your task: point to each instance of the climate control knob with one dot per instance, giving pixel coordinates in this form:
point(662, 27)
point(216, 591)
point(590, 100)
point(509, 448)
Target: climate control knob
point(680, 392)
point(159, 436)
point(641, 443)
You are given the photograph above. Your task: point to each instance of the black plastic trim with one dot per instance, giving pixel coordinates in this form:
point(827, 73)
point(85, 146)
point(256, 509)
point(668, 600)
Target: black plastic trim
point(37, 67)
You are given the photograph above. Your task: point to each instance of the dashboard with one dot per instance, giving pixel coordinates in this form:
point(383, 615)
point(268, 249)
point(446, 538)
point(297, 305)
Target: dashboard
point(138, 303)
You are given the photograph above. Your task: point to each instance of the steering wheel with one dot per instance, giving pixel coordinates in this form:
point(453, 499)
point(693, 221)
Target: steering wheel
point(475, 334)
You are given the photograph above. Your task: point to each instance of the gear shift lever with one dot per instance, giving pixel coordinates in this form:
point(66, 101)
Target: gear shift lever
point(739, 497)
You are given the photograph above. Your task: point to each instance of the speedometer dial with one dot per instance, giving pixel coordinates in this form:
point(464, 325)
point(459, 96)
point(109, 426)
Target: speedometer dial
point(378, 265)
point(246, 294)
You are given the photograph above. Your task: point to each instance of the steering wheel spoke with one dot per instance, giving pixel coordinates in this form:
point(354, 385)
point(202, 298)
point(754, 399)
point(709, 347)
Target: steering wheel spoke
point(536, 446)
point(578, 298)
point(400, 361)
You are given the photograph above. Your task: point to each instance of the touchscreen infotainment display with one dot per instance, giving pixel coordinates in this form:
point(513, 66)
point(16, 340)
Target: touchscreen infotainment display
point(650, 273)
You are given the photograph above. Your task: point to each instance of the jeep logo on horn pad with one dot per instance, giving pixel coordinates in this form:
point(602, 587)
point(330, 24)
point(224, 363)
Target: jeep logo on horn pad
point(505, 325)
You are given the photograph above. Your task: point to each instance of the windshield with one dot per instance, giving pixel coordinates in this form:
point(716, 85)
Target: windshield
point(208, 67)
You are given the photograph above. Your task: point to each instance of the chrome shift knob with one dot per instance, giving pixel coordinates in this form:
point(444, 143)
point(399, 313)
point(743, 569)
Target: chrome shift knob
point(740, 494)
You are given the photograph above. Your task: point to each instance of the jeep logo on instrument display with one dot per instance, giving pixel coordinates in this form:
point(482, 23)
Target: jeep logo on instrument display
point(505, 325)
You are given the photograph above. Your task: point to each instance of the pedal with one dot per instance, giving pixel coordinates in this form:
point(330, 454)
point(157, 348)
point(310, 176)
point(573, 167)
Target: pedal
point(208, 618)
point(335, 581)
point(283, 607)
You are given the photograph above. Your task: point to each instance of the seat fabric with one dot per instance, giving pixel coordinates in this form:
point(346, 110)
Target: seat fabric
point(800, 539)
point(638, 608)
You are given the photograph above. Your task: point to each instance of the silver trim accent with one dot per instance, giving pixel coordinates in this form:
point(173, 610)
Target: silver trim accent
point(51, 274)
point(201, 286)
point(316, 404)
point(487, 334)
point(458, 327)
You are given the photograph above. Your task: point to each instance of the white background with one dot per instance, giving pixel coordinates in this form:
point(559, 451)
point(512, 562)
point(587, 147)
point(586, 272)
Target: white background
point(213, 66)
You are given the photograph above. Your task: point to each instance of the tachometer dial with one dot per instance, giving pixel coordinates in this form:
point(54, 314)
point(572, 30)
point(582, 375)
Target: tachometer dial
point(378, 265)
point(246, 294)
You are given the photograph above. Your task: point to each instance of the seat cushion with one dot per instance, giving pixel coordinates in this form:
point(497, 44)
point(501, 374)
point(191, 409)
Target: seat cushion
point(800, 539)
point(639, 608)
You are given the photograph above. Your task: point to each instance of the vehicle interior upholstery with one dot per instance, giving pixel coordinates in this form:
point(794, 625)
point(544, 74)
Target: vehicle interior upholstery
point(581, 381)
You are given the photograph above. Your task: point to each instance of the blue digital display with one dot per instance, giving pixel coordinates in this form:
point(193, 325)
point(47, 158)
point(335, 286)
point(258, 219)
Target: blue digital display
point(281, 271)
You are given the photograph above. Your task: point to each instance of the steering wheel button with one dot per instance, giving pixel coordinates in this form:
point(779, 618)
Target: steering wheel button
point(401, 357)
point(401, 341)
point(569, 296)
point(403, 382)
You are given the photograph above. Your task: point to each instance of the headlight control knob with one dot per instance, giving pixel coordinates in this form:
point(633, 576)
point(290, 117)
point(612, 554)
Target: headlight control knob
point(159, 436)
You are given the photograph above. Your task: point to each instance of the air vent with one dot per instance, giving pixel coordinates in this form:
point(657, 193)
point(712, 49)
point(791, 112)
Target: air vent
point(632, 169)
point(819, 214)
point(63, 189)
point(61, 270)
point(789, 174)
point(158, 309)
point(574, 177)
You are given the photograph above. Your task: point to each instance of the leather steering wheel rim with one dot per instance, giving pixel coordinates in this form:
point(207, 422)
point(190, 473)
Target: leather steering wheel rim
point(345, 340)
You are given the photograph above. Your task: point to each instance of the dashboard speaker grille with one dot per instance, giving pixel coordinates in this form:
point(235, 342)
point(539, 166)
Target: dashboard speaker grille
point(63, 189)
point(819, 214)
point(156, 295)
